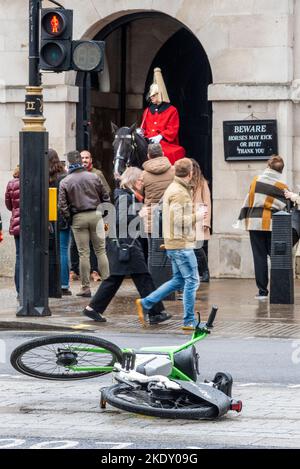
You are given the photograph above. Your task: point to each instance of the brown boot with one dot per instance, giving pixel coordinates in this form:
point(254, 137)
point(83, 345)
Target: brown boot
point(95, 276)
point(84, 292)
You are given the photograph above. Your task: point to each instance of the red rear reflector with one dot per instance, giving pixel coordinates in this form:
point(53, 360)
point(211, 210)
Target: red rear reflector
point(237, 406)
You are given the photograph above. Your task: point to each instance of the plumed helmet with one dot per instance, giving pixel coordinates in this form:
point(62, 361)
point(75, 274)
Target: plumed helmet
point(158, 86)
point(153, 90)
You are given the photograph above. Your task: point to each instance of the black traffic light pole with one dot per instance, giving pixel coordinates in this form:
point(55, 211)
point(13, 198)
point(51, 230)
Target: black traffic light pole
point(34, 182)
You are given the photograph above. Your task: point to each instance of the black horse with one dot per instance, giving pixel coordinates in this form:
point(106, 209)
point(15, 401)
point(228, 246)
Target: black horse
point(130, 149)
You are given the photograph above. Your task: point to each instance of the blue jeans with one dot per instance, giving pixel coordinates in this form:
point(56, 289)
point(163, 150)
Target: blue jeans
point(185, 277)
point(64, 239)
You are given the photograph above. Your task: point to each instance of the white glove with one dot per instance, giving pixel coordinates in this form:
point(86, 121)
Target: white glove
point(140, 131)
point(156, 139)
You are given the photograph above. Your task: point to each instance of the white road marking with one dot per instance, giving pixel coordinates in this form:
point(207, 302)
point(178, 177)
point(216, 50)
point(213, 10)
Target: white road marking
point(55, 444)
point(10, 376)
point(115, 445)
point(10, 442)
point(244, 385)
point(58, 444)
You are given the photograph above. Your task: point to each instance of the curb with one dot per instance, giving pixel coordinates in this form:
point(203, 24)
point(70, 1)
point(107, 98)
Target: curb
point(37, 326)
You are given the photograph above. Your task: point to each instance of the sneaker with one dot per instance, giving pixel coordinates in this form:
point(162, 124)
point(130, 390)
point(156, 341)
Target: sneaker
point(179, 296)
point(140, 311)
point(261, 297)
point(95, 277)
point(205, 277)
point(73, 276)
point(66, 292)
point(84, 292)
point(94, 315)
point(161, 317)
point(188, 327)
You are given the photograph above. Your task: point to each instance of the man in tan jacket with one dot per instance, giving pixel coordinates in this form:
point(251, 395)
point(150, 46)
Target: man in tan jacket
point(179, 221)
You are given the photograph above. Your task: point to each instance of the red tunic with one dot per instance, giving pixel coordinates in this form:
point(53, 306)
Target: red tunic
point(163, 120)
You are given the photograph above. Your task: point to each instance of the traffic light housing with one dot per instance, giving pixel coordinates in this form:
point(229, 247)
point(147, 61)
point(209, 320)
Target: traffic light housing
point(56, 39)
point(88, 56)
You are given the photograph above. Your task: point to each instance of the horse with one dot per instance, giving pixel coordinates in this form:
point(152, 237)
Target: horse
point(129, 147)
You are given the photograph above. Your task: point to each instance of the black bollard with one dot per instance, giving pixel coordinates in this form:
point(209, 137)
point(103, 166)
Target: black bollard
point(282, 278)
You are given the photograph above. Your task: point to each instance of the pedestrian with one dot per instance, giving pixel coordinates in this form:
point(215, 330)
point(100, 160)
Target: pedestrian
point(160, 122)
point(87, 162)
point(80, 195)
point(57, 173)
point(126, 256)
point(179, 221)
point(157, 176)
point(12, 202)
point(265, 197)
point(201, 195)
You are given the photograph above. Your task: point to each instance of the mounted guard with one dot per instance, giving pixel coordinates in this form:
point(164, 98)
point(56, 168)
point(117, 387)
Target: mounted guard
point(160, 123)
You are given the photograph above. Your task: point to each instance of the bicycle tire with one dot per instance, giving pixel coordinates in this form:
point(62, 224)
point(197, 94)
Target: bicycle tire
point(112, 395)
point(43, 345)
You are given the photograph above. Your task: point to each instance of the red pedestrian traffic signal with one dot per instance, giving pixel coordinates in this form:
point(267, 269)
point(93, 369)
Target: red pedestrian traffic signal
point(56, 39)
point(53, 23)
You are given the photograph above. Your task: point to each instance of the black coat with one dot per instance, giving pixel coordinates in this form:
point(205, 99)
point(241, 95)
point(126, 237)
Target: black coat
point(137, 263)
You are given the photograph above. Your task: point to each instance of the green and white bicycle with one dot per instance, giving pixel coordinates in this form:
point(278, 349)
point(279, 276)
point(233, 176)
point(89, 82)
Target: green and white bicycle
point(153, 381)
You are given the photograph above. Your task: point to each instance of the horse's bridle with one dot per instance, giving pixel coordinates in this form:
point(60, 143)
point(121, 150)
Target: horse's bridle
point(133, 148)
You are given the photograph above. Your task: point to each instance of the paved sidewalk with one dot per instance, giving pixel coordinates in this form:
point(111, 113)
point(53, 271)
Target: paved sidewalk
point(239, 313)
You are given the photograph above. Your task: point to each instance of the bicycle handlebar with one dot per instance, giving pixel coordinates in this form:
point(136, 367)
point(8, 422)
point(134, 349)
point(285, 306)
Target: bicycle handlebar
point(212, 316)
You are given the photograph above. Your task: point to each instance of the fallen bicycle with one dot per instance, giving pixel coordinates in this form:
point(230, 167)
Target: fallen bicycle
point(154, 381)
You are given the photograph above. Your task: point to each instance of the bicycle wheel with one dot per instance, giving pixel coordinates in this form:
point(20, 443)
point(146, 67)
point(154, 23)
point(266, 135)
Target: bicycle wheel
point(65, 357)
point(141, 401)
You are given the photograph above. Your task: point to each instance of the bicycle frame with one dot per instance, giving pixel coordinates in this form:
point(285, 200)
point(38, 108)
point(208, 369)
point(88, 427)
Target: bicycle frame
point(200, 332)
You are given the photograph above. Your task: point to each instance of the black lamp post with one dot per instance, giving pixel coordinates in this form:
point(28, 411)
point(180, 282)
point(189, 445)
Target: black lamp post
point(34, 182)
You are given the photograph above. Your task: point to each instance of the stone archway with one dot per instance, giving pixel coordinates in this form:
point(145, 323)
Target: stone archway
point(135, 43)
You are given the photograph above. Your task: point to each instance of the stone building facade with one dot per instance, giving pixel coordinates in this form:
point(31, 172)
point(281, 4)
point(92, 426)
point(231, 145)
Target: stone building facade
point(243, 65)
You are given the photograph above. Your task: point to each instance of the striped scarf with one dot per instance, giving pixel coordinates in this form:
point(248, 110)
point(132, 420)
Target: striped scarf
point(265, 197)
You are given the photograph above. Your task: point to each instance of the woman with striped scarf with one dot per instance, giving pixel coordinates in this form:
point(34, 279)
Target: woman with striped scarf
point(265, 197)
